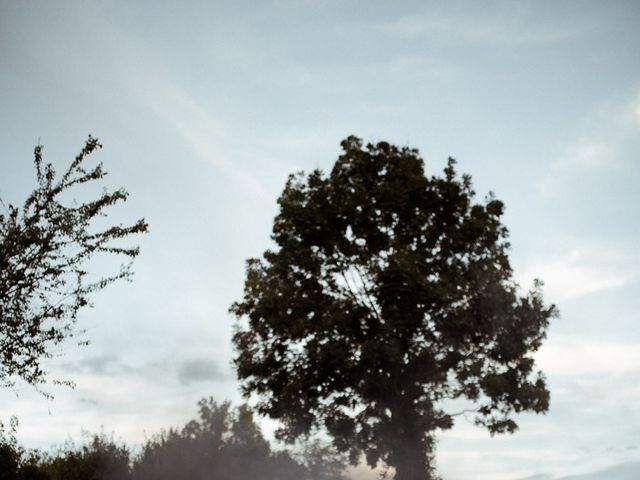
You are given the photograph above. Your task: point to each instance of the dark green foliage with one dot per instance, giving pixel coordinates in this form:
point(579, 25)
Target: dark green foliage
point(10, 452)
point(191, 452)
point(322, 461)
point(44, 249)
point(227, 445)
point(15, 462)
point(99, 459)
point(388, 293)
point(222, 444)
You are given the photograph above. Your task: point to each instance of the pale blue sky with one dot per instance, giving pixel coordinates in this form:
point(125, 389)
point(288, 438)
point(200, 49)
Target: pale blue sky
point(205, 107)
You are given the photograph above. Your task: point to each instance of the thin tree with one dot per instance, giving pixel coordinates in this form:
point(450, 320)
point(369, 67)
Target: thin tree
point(45, 248)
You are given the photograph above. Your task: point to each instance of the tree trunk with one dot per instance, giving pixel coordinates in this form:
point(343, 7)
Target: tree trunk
point(411, 464)
point(412, 457)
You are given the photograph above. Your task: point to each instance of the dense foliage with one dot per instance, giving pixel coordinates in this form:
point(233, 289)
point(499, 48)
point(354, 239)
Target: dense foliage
point(45, 247)
point(388, 293)
point(222, 444)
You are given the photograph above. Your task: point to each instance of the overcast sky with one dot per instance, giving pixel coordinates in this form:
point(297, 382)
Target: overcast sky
point(204, 108)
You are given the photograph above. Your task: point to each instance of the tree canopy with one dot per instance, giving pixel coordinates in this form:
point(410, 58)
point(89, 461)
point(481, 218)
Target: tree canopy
point(45, 248)
point(388, 294)
point(222, 443)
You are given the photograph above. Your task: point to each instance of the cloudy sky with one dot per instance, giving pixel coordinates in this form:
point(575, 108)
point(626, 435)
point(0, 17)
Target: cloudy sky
point(204, 108)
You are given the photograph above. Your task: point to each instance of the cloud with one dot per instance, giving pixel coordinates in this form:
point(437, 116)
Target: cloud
point(576, 160)
point(144, 77)
point(607, 144)
point(580, 272)
point(566, 281)
point(198, 128)
point(636, 110)
point(586, 154)
point(200, 370)
point(624, 471)
point(100, 365)
point(416, 25)
point(513, 27)
point(570, 355)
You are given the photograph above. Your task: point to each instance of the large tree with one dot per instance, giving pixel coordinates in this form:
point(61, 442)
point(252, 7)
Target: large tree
point(45, 250)
point(388, 294)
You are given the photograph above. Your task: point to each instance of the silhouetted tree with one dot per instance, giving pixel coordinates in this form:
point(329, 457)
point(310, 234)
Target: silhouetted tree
point(44, 249)
point(222, 444)
point(16, 463)
point(192, 452)
point(101, 458)
point(10, 452)
point(225, 444)
point(387, 293)
point(322, 461)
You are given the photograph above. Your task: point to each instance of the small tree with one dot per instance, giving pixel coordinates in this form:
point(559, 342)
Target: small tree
point(99, 458)
point(388, 293)
point(44, 249)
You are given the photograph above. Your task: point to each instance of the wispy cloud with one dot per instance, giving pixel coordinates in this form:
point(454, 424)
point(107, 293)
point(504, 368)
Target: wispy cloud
point(570, 355)
point(575, 162)
point(149, 84)
point(623, 471)
point(98, 365)
point(636, 110)
point(513, 27)
point(565, 281)
point(197, 127)
point(601, 148)
point(579, 272)
point(199, 370)
point(586, 154)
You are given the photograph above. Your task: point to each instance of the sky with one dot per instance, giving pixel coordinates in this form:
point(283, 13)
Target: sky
point(204, 108)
